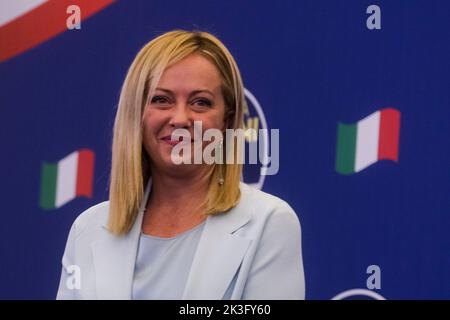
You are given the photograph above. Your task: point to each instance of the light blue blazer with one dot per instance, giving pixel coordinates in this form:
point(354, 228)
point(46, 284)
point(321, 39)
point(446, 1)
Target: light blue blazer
point(251, 252)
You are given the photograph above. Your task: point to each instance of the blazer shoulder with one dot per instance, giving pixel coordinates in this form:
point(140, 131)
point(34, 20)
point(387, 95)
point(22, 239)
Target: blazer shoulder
point(259, 199)
point(92, 218)
point(263, 202)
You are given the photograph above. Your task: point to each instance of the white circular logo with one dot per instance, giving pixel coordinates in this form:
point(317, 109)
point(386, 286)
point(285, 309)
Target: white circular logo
point(254, 119)
point(358, 292)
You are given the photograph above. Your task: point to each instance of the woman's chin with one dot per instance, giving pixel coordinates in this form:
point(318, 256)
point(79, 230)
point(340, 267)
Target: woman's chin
point(175, 163)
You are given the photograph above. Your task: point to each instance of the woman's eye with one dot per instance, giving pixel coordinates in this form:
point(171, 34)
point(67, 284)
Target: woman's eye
point(159, 100)
point(203, 102)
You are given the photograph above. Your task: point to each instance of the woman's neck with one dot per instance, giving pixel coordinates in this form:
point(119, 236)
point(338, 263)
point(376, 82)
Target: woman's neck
point(170, 190)
point(175, 202)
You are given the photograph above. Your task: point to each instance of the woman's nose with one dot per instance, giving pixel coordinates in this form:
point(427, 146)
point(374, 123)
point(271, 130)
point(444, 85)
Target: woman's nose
point(180, 117)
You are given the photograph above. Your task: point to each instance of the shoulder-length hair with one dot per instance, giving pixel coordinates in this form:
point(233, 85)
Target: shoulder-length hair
point(130, 168)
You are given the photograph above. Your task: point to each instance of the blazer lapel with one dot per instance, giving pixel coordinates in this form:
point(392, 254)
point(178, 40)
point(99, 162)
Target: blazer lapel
point(218, 256)
point(115, 257)
point(217, 259)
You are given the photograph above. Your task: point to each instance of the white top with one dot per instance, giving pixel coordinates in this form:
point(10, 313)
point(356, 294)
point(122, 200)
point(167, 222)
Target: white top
point(157, 272)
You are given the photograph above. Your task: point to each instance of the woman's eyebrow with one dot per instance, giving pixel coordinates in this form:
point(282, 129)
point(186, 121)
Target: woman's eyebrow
point(165, 90)
point(200, 91)
point(193, 93)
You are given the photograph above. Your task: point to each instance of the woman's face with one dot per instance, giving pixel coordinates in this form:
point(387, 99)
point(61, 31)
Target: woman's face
point(188, 91)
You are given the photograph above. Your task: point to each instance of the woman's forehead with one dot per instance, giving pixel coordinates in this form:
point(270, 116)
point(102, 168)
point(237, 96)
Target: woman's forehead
point(193, 72)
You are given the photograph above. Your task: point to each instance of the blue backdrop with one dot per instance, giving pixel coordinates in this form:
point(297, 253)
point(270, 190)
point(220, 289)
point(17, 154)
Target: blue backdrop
point(310, 64)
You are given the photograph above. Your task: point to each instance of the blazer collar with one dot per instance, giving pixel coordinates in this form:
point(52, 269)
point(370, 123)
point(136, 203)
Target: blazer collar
point(217, 258)
point(115, 257)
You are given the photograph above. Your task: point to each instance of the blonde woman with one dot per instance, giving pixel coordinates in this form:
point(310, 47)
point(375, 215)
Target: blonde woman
point(181, 231)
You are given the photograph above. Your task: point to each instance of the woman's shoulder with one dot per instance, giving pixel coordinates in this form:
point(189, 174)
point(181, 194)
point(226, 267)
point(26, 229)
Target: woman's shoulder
point(263, 204)
point(92, 218)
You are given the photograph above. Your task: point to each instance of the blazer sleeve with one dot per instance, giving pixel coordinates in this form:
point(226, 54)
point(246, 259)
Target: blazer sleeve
point(277, 269)
point(67, 291)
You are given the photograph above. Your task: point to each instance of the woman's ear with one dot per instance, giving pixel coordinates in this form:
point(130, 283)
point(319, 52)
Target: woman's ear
point(228, 120)
point(225, 124)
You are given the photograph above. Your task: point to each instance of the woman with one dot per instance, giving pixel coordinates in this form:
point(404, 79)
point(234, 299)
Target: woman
point(181, 231)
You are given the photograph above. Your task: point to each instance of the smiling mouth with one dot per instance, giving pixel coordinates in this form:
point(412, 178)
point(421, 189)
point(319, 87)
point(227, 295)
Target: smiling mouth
point(174, 141)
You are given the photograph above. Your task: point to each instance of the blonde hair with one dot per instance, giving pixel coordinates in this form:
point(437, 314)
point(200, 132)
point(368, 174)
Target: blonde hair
point(130, 164)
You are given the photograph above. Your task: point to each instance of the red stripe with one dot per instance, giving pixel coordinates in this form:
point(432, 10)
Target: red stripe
point(41, 24)
point(85, 173)
point(389, 134)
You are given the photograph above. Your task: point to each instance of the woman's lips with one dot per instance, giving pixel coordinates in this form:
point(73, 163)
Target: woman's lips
point(170, 141)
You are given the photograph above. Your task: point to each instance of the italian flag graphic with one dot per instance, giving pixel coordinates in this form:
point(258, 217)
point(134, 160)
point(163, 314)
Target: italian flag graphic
point(25, 24)
point(371, 139)
point(67, 179)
